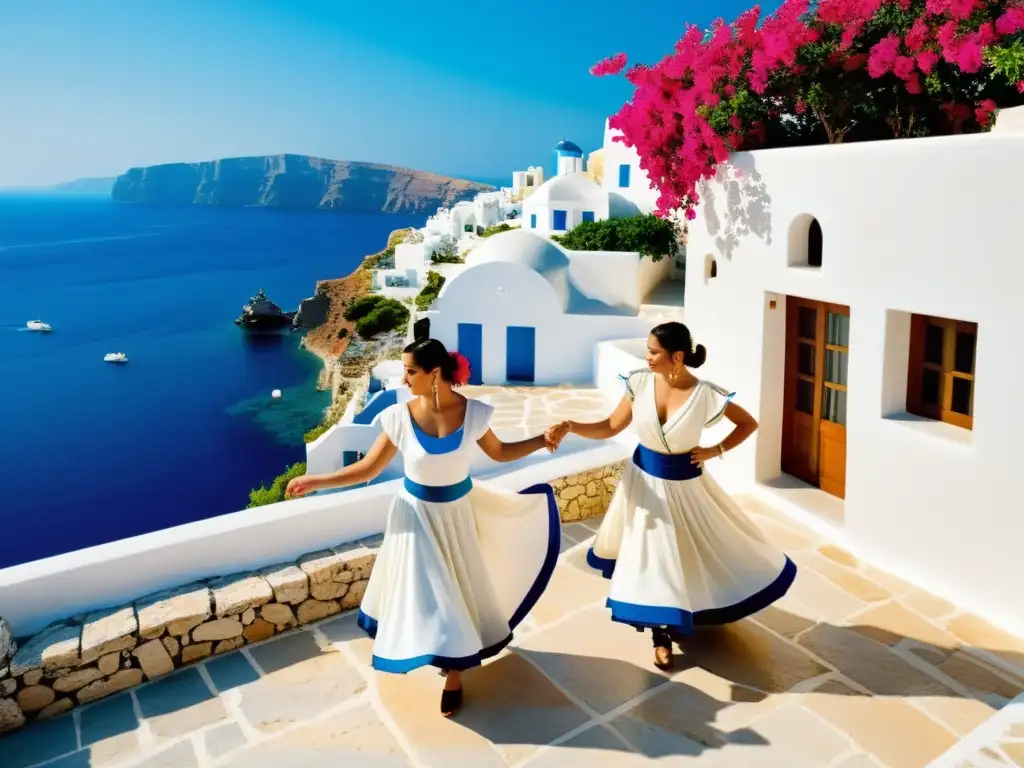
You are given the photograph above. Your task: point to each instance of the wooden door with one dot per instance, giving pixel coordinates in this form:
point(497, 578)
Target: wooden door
point(814, 426)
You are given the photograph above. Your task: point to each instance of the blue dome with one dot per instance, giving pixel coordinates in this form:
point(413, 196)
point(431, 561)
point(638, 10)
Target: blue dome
point(568, 148)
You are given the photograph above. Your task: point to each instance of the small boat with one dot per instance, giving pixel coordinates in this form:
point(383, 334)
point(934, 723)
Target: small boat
point(38, 325)
point(115, 357)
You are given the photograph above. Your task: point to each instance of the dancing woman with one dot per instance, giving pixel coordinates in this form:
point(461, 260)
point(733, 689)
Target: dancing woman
point(461, 563)
point(677, 549)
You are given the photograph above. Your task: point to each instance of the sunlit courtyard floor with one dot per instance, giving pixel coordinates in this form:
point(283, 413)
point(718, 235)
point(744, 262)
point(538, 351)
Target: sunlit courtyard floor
point(853, 668)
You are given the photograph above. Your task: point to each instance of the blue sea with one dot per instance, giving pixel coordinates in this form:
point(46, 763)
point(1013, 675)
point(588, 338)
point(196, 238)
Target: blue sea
point(92, 452)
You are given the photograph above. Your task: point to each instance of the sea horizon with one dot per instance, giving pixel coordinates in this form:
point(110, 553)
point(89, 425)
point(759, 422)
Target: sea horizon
point(187, 428)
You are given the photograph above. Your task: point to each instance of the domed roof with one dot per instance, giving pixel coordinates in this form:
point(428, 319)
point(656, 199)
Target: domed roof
point(575, 188)
point(569, 147)
point(520, 246)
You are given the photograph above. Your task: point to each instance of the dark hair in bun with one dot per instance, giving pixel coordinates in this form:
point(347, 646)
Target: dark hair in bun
point(675, 337)
point(429, 354)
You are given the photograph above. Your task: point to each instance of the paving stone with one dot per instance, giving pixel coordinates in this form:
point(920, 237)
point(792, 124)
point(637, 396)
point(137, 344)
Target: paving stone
point(179, 703)
point(110, 729)
point(180, 755)
point(223, 739)
point(38, 742)
point(300, 681)
point(354, 737)
point(231, 671)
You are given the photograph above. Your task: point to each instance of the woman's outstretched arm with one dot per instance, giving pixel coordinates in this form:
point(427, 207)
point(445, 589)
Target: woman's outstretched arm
point(363, 471)
point(499, 451)
point(620, 418)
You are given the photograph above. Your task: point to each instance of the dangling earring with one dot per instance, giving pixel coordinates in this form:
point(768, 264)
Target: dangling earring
point(437, 403)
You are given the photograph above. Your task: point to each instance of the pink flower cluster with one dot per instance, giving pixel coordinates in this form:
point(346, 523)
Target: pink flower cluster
point(667, 121)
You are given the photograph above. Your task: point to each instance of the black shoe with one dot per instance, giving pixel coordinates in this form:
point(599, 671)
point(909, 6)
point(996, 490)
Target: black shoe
point(451, 702)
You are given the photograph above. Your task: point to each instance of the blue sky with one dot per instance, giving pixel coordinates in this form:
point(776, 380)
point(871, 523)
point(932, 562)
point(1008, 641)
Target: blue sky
point(91, 88)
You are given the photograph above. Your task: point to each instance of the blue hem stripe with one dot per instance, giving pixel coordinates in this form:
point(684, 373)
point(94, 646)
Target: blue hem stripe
point(682, 621)
point(401, 666)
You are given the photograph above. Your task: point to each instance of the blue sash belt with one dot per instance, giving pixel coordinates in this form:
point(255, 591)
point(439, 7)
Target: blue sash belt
point(667, 466)
point(439, 494)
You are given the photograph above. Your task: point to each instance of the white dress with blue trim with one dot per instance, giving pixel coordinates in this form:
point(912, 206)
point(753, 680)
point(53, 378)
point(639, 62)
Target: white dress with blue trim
point(679, 552)
point(461, 563)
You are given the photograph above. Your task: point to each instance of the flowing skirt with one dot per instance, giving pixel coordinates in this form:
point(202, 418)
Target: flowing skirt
point(453, 579)
point(681, 553)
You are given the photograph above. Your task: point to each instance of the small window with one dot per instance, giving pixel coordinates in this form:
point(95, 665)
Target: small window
point(558, 220)
point(529, 180)
point(624, 175)
point(588, 216)
point(940, 377)
point(814, 244)
point(806, 242)
point(533, 221)
point(710, 267)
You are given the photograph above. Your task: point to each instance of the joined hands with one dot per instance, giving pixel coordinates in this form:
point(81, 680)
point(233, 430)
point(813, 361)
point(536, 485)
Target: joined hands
point(554, 434)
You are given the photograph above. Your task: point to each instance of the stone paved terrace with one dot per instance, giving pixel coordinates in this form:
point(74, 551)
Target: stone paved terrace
point(523, 411)
point(854, 668)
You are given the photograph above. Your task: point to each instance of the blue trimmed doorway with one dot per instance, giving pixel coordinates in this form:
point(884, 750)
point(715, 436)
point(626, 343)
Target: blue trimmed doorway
point(520, 354)
point(471, 345)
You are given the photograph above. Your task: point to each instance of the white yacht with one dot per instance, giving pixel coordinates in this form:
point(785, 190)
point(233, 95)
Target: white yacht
point(115, 357)
point(38, 325)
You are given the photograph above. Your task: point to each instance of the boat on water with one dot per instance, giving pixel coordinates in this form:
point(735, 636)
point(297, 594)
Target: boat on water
point(115, 357)
point(261, 314)
point(39, 326)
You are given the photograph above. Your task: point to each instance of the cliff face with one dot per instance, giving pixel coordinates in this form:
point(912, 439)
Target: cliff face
point(294, 181)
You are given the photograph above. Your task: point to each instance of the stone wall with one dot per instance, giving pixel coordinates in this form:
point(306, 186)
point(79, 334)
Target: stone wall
point(87, 657)
point(587, 494)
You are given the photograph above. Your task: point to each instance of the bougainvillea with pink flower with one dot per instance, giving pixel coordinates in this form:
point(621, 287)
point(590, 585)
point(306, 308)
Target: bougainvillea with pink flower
point(844, 70)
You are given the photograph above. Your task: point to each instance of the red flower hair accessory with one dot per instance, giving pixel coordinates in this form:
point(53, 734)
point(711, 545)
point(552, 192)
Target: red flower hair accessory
point(462, 370)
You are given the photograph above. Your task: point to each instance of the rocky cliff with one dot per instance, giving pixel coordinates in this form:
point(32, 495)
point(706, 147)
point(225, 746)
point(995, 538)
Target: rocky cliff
point(294, 181)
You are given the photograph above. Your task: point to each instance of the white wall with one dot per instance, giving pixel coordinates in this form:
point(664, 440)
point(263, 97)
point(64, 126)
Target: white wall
point(499, 294)
point(573, 194)
point(410, 256)
point(34, 594)
point(618, 278)
point(570, 164)
point(929, 226)
point(640, 192)
point(544, 212)
point(613, 359)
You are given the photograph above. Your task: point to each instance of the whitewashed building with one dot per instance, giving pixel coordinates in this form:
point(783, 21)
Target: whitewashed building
point(525, 183)
point(863, 301)
point(523, 309)
point(628, 186)
point(564, 202)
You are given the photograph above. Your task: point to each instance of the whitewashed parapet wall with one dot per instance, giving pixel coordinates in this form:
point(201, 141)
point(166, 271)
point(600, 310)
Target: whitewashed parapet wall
point(85, 658)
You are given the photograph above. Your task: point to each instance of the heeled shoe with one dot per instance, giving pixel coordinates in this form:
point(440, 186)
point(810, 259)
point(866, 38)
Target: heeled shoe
point(662, 657)
point(662, 649)
point(451, 702)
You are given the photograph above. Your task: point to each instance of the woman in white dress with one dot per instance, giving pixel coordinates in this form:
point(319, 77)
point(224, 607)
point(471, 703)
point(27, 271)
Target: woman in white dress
point(461, 563)
point(679, 552)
